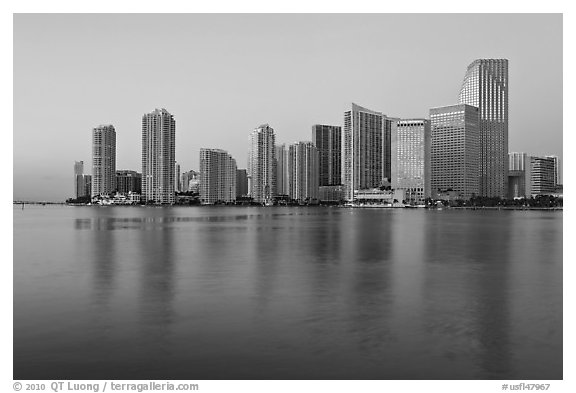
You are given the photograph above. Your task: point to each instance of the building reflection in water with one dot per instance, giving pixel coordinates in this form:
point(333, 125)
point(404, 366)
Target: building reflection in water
point(471, 330)
point(367, 249)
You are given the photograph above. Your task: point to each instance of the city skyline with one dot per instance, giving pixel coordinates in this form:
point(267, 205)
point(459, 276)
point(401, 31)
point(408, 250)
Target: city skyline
point(399, 88)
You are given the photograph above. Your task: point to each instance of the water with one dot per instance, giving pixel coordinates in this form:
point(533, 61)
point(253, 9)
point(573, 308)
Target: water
point(286, 293)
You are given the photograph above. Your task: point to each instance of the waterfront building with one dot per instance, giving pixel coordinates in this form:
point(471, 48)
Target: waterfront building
point(361, 150)
point(158, 157)
point(542, 176)
point(83, 185)
point(128, 181)
point(557, 170)
point(78, 171)
point(261, 164)
point(103, 160)
point(328, 141)
point(177, 187)
point(485, 86)
point(241, 183)
point(129, 198)
point(303, 171)
point(331, 193)
point(518, 175)
point(376, 196)
point(517, 184)
point(411, 159)
point(454, 151)
point(281, 170)
point(217, 176)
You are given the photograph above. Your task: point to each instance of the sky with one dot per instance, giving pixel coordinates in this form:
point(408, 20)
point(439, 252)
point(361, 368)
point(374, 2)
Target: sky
point(222, 75)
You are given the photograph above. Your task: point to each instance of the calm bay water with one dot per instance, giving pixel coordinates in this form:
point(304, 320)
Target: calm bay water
point(286, 293)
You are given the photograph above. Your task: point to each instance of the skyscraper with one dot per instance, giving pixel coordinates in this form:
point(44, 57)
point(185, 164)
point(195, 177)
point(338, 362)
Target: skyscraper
point(83, 185)
point(281, 170)
point(103, 160)
point(78, 171)
point(411, 159)
point(261, 164)
point(388, 124)
point(158, 157)
point(217, 176)
point(177, 187)
point(303, 171)
point(455, 150)
point(361, 150)
point(328, 141)
point(485, 86)
point(241, 183)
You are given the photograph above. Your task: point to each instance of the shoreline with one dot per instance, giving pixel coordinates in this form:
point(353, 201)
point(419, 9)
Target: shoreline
point(555, 208)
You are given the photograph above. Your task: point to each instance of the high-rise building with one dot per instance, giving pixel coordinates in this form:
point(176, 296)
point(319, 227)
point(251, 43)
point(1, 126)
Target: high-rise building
point(485, 86)
point(281, 170)
point(542, 176)
point(411, 159)
point(158, 157)
point(103, 160)
point(241, 183)
point(557, 170)
point(361, 150)
point(303, 171)
point(217, 176)
point(328, 141)
point(128, 181)
point(455, 150)
point(388, 124)
point(261, 164)
point(78, 171)
point(83, 185)
point(177, 187)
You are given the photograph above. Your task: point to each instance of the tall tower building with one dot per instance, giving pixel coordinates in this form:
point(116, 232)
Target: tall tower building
point(261, 164)
point(158, 157)
point(103, 160)
point(455, 150)
point(217, 176)
point(328, 141)
point(281, 170)
point(485, 86)
point(177, 187)
point(411, 159)
point(241, 183)
point(361, 150)
point(78, 171)
point(303, 171)
point(388, 124)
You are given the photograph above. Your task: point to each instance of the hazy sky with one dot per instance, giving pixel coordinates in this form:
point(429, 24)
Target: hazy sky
point(223, 75)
